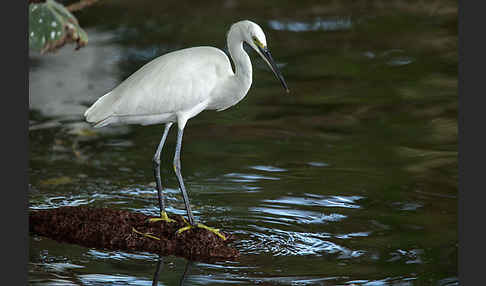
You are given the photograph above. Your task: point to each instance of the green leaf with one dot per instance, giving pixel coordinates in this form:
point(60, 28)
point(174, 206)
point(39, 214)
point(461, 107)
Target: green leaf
point(51, 26)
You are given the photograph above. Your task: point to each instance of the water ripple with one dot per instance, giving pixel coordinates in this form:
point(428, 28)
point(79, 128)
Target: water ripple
point(331, 24)
point(103, 279)
point(402, 281)
point(412, 256)
point(351, 235)
point(60, 266)
point(248, 178)
point(319, 200)
point(228, 278)
point(62, 201)
point(285, 243)
point(268, 168)
point(318, 164)
point(298, 216)
point(119, 255)
point(407, 206)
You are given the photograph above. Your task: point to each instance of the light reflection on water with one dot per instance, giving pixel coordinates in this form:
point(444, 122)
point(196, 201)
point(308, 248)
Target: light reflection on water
point(195, 274)
point(268, 168)
point(297, 216)
point(96, 279)
point(235, 279)
point(287, 211)
point(248, 178)
point(118, 255)
point(288, 243)
point(62, 201)
point(319, 200)
point(334, 24)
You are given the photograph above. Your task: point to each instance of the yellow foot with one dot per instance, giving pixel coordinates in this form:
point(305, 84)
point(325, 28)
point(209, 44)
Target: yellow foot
point(200, 225)
point(147, 234)
point(163, 217)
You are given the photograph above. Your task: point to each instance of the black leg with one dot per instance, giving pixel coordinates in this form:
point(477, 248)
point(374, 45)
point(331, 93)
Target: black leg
point(156, 161)
point(177, 169)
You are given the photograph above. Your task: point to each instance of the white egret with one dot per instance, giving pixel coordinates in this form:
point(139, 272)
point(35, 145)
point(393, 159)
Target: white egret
point(179, 85)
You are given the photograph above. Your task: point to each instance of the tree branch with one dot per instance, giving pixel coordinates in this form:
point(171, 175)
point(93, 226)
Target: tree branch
point(73, 7)
point(80, 5)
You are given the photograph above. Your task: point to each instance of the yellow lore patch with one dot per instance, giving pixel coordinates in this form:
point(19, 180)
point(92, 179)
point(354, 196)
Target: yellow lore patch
point(258, 43)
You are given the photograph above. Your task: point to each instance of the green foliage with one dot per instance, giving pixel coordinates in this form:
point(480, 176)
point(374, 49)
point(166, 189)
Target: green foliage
point(51, 26)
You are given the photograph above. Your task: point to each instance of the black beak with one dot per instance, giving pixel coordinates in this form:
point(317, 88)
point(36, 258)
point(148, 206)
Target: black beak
point(268, 58)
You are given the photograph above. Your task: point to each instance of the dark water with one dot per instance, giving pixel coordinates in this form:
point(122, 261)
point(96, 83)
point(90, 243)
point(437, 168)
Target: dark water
point(350, 180)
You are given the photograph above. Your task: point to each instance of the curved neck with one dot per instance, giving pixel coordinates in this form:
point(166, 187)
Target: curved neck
point(243, 69)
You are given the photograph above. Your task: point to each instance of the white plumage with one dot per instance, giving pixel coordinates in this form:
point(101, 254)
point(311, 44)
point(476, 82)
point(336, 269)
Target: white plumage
point(179, 85)
point(168, 86)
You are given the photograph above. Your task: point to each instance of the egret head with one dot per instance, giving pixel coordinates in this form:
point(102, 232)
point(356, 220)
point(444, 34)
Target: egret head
point(253, 35)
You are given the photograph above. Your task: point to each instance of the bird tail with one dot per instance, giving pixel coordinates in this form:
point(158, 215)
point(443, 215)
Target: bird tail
point(99, 113)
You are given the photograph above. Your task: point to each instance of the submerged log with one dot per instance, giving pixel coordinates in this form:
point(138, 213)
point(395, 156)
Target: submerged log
point(114, 230)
